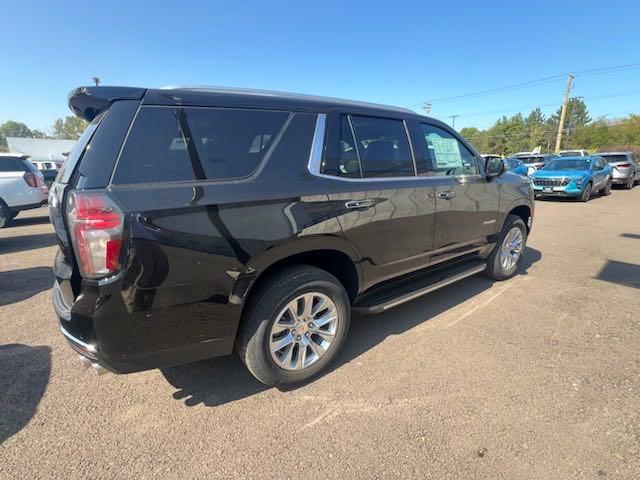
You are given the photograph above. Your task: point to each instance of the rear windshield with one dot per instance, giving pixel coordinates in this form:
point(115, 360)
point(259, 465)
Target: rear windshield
point(190, 143)
point(532, 159)
point(64, 174)
point(615, 158)
point(13, 164)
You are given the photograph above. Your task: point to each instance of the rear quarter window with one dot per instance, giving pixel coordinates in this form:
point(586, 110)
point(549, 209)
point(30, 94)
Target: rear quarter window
point(190, 143)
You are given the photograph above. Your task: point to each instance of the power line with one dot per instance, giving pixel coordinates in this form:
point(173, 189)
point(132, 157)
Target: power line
point(539, 81)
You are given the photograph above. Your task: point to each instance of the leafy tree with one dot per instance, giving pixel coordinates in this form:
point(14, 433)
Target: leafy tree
point(69, 128)
point(12, 129)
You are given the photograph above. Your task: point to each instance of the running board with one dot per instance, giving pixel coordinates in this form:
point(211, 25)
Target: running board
point(384, 299)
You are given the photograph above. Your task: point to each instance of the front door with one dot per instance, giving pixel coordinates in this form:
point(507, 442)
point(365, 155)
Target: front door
point(466, 202)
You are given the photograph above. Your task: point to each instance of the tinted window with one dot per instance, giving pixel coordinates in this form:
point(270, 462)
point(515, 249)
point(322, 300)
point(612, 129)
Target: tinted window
point(513, 163)
point(568, 164)
point(446, 155)
point(616, 158)
point(13, 164)
point(383, 147)
point(173, 144)
point(70, 163)
point(345, 163)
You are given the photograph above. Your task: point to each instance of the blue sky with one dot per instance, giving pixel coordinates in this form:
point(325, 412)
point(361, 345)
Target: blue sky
point(398, 53)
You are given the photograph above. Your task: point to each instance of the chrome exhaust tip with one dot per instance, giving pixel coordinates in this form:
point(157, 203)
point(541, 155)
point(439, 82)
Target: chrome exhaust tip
point(86, 363)
point(99, 369)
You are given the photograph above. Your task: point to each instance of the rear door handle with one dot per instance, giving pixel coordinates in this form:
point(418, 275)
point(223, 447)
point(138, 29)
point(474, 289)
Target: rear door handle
point(448, 195)
point(357, 204)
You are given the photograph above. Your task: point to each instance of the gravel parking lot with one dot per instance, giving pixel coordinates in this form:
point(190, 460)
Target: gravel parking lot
point(536, 377)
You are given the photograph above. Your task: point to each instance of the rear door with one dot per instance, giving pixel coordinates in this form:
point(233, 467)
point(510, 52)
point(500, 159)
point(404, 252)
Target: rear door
point(13, 187)
point(466, 202)
point(383, 202)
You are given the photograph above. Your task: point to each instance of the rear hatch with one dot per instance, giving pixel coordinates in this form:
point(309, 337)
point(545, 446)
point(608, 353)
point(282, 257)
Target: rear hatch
point(88, 167)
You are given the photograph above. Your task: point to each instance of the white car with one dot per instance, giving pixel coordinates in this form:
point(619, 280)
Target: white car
point(21, 186)
point(573, 153)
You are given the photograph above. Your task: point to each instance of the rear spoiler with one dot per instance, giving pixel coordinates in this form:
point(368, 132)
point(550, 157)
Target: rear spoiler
point(89, 102)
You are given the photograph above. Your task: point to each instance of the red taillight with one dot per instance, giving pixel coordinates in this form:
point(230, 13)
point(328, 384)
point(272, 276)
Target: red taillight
point(623, 165)
point(95, 223)
point(31, 179)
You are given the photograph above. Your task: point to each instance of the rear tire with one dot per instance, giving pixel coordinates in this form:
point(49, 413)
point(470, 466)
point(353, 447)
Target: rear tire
point(512, 237)
point(607, 189)
point(5, 214)
point(586, 193)
point(260, 334)
point(630, 183)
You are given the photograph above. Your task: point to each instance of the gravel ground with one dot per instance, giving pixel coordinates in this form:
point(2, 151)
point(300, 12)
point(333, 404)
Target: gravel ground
point(536, 377)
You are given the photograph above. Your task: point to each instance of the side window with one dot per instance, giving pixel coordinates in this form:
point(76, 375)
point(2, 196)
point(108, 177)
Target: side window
point(446, 155)
point(346, 163)
point(383, 147)
point(173, 144)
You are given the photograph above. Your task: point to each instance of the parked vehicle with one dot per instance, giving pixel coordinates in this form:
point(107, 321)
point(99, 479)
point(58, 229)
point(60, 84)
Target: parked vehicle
point(573, 153)
point(626, 168)
point(201, 219)
point(575, 177)
point(534, 162)
point(516, 165)
point(21, 186)
point(49, 171)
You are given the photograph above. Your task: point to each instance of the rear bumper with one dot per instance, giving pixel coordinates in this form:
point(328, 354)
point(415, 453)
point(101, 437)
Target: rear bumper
point(98, 329)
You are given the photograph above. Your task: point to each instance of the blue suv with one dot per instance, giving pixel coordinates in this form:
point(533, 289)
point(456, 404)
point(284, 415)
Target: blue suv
point(576, 177)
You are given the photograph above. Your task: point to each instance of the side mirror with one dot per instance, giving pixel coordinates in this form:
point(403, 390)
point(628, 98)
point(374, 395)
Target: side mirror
point(494, 167)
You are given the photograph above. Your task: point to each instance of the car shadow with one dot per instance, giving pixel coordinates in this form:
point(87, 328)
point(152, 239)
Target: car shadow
point(18, 285)
point(622, 273)
point(23, 222)
point(630, 235)
point(23, 243)
point(221, 380)
point(23, 380)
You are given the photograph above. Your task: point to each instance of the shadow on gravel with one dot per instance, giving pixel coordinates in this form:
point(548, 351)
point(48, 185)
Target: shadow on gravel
point(26, 242)
point(23, 380)
point(23, 222)
point(18, 285)
point(622, 273)
point(218, 381)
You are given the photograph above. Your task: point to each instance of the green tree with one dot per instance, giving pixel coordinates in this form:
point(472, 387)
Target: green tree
point(69, 128)
point(12, 129)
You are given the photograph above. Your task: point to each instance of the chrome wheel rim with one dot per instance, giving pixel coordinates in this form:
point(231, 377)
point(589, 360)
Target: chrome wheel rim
point(511, 249)
point(303, 331)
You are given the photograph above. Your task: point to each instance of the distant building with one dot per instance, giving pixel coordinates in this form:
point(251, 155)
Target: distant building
point(41, 149)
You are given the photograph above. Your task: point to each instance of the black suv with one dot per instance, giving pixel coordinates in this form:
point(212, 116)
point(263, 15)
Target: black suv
point(191, 220)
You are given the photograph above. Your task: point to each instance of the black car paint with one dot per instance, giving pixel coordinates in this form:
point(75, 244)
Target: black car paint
point(193, 250)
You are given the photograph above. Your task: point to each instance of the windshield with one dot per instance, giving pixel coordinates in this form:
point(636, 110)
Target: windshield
point(533, 159)
point(568, 164)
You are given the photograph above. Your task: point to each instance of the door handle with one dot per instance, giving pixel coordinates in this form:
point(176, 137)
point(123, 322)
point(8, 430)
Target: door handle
point(358, 204)
point(448, 195)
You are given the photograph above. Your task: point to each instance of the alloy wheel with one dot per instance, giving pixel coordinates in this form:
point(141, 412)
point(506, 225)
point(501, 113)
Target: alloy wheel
point(511, 249)
point(303, 331)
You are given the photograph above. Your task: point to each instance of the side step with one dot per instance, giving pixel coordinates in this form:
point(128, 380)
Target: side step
point(409, 288)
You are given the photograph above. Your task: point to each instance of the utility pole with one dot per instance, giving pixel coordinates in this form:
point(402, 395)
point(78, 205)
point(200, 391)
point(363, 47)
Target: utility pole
point(426, 107)
point(563, 112)
point(96, 80)
point(453, 120)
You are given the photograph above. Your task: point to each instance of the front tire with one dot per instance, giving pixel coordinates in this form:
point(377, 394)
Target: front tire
point(586, 193)
point(5, 214)
point(294, 326)
point(505, 258)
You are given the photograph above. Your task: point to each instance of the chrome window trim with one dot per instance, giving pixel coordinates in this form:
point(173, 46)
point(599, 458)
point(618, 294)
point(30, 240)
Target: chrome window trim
point(315, 161)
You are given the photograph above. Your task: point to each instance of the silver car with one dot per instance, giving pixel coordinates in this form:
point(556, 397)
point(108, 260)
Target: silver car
point(626, 168)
